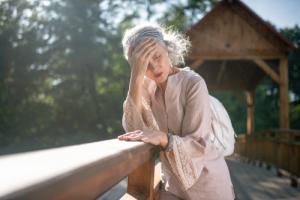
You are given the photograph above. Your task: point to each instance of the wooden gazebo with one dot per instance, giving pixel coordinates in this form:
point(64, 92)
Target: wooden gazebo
point(234, 49)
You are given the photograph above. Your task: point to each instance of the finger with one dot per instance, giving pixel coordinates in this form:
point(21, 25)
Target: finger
point(136, 131)
point(143, 46)
point(129, 133)
point(129, 137)
point(130, 50)
point(146, 52)
point(145, 41)
point(132, 137)
point(143, 54)
point(145, 139)
point(150, 53)
point(135, 137)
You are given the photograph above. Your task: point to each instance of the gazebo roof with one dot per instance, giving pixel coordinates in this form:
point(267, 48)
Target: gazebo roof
point(230, 42)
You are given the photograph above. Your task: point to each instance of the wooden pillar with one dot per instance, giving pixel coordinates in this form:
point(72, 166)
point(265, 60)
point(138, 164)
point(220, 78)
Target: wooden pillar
point(197, 63)
point(284, 98)
point(250, 95)
point(144, 182)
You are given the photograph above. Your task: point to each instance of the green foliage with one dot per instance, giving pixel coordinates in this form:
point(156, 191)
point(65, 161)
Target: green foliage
point(266, 105)
point(293, 35)
point(236, 108)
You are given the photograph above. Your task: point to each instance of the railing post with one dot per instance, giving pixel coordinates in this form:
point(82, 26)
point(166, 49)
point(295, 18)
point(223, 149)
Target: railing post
point(294, 159)
point(143, 182)
point(140, 181)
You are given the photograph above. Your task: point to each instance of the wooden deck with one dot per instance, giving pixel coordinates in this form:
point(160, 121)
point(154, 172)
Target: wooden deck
point(254, 182)
point(250, 182)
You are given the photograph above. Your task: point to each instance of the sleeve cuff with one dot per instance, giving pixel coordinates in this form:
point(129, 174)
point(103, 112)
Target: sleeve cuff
point(170, 143)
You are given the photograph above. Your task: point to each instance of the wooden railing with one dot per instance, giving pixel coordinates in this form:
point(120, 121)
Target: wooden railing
point(81, 171)
point(275, 147)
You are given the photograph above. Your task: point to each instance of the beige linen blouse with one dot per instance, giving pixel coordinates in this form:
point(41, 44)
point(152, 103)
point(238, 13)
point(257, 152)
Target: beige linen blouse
point(192, 168)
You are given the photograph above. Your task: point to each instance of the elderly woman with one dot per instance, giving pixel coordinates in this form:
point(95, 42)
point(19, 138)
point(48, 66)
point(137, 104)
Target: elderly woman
point(168, 106)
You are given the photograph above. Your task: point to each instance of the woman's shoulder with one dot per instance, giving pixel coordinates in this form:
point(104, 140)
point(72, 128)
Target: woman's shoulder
point(191, 77)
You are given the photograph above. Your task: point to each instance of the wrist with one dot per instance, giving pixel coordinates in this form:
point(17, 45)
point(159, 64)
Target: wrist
point(164, 140)
point(137, 75)
point(135, 85)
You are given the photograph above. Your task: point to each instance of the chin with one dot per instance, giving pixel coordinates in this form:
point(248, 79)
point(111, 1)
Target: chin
point(160, 80)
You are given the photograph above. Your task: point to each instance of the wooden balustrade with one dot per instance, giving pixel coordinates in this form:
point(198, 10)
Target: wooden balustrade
point(81, 171)
point(277, 147)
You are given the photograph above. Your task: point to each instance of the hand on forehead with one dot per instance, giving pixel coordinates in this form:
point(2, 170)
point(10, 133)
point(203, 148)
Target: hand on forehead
point(140, 43)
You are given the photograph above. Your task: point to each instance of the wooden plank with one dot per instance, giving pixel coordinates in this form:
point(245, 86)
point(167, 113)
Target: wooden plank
point(75, 172)
point(280, 150)
point(196, 63)
point(284, 98)
point(241, 54)
point(141, 181)
point(250, 95)
point(253, 182)
point(221, 72)
point(267, 69)
point(144, 182)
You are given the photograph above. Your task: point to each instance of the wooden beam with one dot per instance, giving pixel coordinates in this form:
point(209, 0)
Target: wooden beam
point(143, 185)
point(267, 69)
point(250, 95)
point(140, 184)
point(219, 55)
point(196, 63)
point(284, 98)
point(221, 72)
point(76, 172)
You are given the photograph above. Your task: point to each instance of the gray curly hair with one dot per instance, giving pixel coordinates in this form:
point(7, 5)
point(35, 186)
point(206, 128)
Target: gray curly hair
point(176, 43)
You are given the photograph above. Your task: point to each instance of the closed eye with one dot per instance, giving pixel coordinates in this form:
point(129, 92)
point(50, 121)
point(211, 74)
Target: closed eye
point(156, 57)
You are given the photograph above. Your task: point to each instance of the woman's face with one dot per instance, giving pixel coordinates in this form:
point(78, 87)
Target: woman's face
point(159, 65)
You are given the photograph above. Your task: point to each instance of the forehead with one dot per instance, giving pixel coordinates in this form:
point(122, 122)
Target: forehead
point(161, 48)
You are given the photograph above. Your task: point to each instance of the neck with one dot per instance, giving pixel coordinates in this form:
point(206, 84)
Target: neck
point(163, 85)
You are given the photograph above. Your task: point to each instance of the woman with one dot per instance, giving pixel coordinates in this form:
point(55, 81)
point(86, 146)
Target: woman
point(169, 106)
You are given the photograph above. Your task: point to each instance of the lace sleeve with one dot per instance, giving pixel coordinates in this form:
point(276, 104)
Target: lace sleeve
point(133, 120)
point(190, 150)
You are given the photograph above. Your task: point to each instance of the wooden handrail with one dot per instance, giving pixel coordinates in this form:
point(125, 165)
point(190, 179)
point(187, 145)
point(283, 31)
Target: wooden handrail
point(82, 171)
point(277, 147)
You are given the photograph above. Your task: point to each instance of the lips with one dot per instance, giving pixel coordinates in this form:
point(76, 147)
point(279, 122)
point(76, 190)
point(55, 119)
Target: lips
point(158, 75)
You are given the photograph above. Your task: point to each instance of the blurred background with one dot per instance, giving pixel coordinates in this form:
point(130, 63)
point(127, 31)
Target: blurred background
point(63, 78)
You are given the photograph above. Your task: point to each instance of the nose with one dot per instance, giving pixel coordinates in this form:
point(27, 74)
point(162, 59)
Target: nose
point(153, 66)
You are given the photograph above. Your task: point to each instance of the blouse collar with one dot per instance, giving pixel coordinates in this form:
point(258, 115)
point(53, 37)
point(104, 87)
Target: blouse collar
point(171, 77)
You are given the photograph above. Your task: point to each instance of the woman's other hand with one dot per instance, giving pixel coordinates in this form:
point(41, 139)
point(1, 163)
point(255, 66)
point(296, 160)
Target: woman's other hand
point(148, 136)
point(140, 56)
